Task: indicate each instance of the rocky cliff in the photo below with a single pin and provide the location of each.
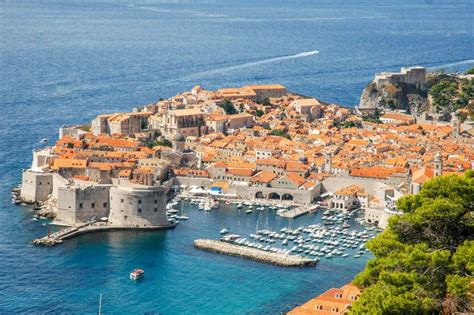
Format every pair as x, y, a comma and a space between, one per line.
440, 97
399, 96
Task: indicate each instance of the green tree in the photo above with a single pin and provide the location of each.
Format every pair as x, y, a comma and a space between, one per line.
424, 260
265, 101
470, 71
165, 143
228, 107
259, 113
280, 133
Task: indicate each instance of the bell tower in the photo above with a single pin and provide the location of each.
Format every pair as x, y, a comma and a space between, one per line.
327, 162
438, 165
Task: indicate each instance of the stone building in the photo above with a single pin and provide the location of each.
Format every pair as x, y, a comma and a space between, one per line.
36, 186
188, 122
309, 108
123, 123
81, 202
263, 91
137, 205
413, 75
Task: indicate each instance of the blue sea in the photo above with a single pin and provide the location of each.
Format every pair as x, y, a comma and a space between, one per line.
63, 62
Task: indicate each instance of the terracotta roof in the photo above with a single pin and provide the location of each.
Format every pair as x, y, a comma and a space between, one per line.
273, 162
240, 171
68, 163
350, 190
264, 176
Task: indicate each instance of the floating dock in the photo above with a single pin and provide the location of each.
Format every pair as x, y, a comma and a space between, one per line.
278, 259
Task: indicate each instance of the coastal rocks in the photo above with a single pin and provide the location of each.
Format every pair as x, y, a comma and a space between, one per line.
398, 96
277, 259
46, 242
47, 208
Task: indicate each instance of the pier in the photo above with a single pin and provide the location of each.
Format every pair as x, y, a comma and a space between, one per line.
277, 259
91, 227
293, 213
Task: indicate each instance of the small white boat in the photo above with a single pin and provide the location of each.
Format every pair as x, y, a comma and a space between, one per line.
224, 231
249, 211
44, 140
137, 274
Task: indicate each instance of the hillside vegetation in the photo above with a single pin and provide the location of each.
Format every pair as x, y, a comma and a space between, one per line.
424, 260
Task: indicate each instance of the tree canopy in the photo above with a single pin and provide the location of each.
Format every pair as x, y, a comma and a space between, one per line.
424, 260
449, 91
280, 133
228, 107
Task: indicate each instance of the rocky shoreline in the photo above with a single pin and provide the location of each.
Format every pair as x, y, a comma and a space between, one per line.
276, 259
42, 209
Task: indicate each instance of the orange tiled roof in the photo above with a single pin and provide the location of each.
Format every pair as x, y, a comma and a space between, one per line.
68, 163
263, 177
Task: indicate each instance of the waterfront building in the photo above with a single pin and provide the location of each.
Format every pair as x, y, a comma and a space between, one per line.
367, 165
334, 301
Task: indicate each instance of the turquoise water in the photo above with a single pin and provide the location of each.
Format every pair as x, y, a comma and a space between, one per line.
65, 62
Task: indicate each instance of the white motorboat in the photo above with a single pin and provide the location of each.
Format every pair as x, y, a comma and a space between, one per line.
137, 274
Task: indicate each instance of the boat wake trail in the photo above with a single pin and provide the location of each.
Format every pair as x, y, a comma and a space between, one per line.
186, 12
252, 64
453, 64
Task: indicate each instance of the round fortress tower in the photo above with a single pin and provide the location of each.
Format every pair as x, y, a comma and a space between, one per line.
138, 206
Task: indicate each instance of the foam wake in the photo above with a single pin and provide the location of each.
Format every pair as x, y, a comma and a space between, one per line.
253, 63
453, 64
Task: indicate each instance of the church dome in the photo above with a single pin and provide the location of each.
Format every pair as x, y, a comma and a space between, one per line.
303, 159
178, 137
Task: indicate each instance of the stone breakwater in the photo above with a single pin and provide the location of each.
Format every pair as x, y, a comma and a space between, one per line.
277, 259
92, 227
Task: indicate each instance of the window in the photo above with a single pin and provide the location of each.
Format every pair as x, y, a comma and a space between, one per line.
156, 201
121, 200
319, 307
139, 210
80, 205
338, 295
335, 309
156, 209
139, 202
105, 204
92, 205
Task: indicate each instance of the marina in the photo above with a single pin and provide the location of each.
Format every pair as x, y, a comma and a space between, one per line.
334, 234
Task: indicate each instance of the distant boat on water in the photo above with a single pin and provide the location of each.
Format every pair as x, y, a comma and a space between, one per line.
137, 274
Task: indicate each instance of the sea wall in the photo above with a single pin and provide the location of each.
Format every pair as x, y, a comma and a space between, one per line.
79, 204
36, 186
138, 205
277, 259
